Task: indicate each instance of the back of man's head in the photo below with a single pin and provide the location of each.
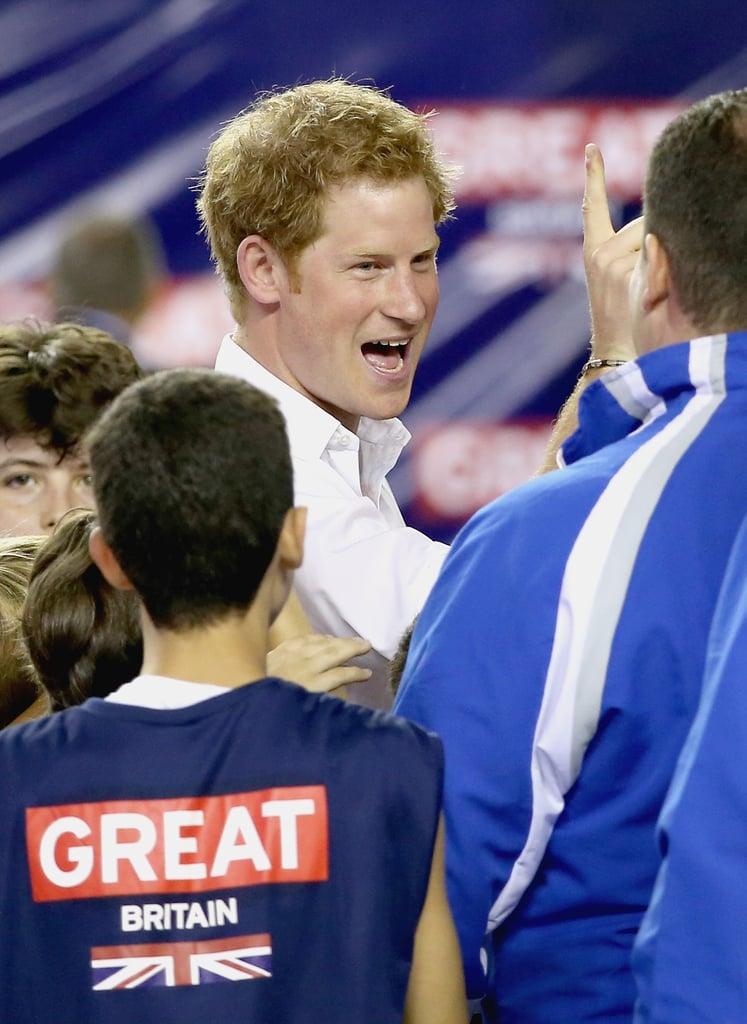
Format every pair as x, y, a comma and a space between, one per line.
107, 263
271, 168
695, 202
192, 479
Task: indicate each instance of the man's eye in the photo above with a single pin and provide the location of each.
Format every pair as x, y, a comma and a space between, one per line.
19, 481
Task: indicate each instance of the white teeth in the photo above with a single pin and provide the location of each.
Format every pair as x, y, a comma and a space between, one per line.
392, 344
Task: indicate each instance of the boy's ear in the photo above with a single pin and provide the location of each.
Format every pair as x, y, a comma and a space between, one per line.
658, 280
104, 558
291, 540
260, 268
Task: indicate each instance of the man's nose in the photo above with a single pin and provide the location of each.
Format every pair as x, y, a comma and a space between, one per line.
404, 300
58, 499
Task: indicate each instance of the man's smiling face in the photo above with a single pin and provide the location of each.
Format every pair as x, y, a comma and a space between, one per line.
355, 316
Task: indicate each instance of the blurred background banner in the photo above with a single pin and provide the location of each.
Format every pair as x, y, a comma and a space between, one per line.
108, 109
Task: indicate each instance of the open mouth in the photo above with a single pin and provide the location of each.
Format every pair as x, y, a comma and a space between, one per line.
385, 356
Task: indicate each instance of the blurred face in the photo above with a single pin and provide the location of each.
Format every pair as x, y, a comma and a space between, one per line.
36, 489
355, 316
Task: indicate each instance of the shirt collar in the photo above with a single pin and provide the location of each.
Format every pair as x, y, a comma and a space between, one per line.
163, 692
311, 430
643, 389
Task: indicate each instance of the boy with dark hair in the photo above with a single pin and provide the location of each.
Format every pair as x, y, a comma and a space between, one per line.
55, 379
222, 865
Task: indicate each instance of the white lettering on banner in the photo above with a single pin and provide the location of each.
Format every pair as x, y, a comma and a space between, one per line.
287, 813
135, 851
178, 845
163, 917
81, 857
239, 841
533, 149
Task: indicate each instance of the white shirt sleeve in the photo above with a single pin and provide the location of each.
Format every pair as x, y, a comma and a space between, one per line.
364, 572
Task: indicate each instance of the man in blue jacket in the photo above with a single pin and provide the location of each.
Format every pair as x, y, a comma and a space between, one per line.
561, 652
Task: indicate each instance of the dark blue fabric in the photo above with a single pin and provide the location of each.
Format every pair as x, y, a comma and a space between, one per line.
341, 949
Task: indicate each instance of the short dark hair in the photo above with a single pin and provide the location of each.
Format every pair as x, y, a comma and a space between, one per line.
695, 202
399, 660
82, 634
107, 263
192, 479
55, 379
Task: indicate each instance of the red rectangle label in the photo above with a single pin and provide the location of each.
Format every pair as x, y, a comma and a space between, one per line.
188, 844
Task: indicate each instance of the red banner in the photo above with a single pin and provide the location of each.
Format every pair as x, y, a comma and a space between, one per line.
127, 847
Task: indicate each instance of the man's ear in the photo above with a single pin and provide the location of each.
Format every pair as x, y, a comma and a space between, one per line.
658, 282
291, 540
261, 269
104, 558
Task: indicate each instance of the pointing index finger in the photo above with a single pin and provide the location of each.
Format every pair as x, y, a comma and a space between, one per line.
595, 207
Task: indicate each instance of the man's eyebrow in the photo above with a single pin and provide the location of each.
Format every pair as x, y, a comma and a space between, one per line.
431, 248
370, 254
31, 461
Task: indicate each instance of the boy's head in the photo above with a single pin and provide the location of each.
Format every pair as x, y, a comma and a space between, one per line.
55, 379
271, 169
193, 484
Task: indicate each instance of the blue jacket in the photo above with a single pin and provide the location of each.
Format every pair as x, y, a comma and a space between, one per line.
560, 657
261, 856
689, 959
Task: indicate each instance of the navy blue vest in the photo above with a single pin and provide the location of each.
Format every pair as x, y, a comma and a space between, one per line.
260, 856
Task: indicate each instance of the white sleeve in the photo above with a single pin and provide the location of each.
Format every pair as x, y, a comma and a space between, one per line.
364, 572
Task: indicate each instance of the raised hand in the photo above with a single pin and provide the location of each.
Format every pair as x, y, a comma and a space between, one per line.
609, 259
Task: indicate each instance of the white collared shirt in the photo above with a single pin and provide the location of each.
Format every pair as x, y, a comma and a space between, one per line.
364, 572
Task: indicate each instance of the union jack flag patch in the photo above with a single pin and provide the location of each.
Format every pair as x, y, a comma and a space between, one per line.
241, 958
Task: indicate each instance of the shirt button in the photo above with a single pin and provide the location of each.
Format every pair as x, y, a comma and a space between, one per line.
345, 440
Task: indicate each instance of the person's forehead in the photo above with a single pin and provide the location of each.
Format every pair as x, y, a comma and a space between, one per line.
362, 206
26, 449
